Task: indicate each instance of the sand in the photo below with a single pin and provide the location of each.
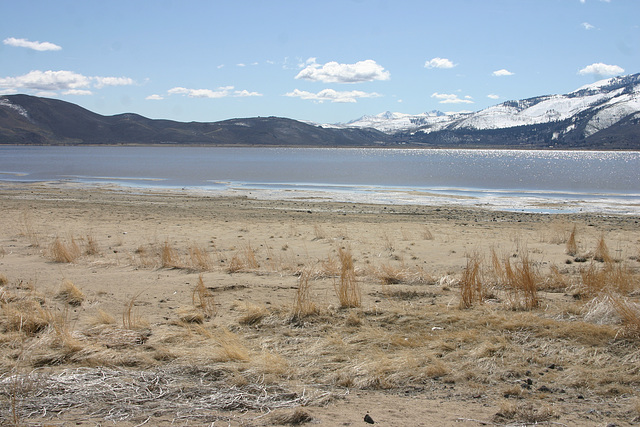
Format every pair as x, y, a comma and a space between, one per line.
144, 347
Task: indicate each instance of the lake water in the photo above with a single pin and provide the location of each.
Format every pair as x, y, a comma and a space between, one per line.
534, 181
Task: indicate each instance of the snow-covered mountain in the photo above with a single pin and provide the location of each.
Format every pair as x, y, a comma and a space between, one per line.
572, 117
389, 122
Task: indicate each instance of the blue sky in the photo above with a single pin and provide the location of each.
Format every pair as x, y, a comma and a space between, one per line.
325, 61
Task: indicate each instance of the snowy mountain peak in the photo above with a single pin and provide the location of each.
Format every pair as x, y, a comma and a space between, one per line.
598, 106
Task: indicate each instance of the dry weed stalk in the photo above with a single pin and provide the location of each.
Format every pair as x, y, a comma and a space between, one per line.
231, 349
630, 315
572, 246
203, 299
200, 259
471, 289
91, 245
64, 252
130, 318
602, 251
169, 257
348, 290
522, 281
251, 261
612, 277
29, 231
70, 293
254, 314
303, 305
426, 233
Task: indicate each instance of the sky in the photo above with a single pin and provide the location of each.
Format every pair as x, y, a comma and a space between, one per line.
329, 61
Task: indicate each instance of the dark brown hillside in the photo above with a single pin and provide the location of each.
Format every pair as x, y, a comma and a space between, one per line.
32, 120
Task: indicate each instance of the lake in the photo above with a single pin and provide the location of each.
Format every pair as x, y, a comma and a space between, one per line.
523, 180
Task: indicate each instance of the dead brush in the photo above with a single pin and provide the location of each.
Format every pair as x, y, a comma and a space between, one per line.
612, 277
64, 251
200, 259
203, 299
231, 347
131, 319
602, 251
630, 314
28, 230
91, 245
169, 257
70, 293
303, 306
522, 282
572, 246
348, 288
471, 289
253, 314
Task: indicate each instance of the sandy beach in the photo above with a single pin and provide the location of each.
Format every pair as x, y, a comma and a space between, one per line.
168, 308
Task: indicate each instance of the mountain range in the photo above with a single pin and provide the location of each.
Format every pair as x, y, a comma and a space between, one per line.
602, 115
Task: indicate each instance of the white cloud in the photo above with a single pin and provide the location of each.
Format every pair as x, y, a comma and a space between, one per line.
112, 81
332, 95
241, 65
155, 97
450, 98
40, 46
502, 72
601, 69
333, 72
439, 63
47, 80
244, 92
221, 92
587, 26
493, 96
67, 81
81, 92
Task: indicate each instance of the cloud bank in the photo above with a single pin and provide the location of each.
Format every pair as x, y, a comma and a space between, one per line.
450, 98
67, 81
333, 72
439, 63
221, 92
40, 46
601, 69
502, 73
332, 95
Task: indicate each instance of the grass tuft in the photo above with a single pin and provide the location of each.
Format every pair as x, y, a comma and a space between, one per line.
572, 246
303, 305
348, 289
64, 251
203, 299
70, 293
471, 289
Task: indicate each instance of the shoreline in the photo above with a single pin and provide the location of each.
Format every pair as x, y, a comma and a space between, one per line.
406, 353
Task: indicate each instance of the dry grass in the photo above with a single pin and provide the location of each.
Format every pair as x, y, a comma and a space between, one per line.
303, 305
29, 231
131, 319
91, 245
169, 257
70, 293
203, 299
253, 314
200, 259
64, 251
602, 251
471, 286
348, 288
572, 246
609, 277
522, 281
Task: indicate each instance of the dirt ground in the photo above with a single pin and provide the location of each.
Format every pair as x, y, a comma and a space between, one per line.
122, 307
